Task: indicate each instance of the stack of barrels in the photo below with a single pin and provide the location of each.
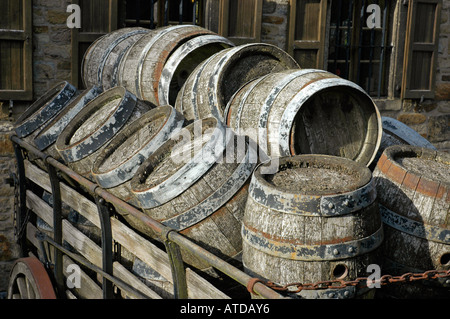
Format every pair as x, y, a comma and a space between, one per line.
242, 151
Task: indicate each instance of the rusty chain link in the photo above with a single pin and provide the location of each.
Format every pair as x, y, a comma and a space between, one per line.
361, 282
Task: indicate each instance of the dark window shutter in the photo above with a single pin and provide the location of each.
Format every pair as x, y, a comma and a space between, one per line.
16, 78
307, 32
240, 20
421, 49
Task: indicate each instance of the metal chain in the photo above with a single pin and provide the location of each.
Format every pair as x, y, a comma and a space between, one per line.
361, 282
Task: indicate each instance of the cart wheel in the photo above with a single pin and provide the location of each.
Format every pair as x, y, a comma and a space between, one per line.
29, 280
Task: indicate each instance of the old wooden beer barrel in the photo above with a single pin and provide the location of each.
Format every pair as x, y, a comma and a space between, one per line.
307, 112
102, 59
184, 60
118, 162
196, 184
398, 133
315, 219
95, 125
46, 138
212, 84
141, 69
44, 108
413, 185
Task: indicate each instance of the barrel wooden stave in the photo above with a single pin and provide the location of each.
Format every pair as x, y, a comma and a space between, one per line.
102, 58
282, 236
141, 68
299, 111
79, 149
210, 210
116, 165
415, 205
212, 84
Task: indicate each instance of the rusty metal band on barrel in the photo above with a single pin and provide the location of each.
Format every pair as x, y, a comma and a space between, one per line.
189, 173
127, 169
221, 196
175, 59
93, 142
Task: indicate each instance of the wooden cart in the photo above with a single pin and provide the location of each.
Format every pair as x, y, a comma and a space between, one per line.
62, 259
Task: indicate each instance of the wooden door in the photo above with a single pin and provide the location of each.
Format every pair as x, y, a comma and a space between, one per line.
16, 78
240, 20
307, 27
421, 49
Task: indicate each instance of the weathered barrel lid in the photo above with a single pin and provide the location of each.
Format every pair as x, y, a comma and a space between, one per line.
175, 59
51, 131
44, 108
337, 199
183, 171
167, 122
72, 151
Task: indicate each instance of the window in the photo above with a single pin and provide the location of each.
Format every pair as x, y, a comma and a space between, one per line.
421, 49
334, 35
357, 50
16, 80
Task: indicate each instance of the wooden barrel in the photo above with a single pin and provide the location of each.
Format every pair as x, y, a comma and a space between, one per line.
46, 138
119, 160
141, 68
413, 185
196, 184
315, 219
95, 125
212, 84
44, 109
398, 133
307, 112
102, 59
184, 60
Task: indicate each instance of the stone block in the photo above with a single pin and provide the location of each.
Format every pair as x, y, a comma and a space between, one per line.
438, 128
412, 118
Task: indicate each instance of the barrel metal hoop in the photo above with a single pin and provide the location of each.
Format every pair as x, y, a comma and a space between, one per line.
92, 143
174, 60
127, 169
273, 94
312, 205
213, 84
295, 251
144, 53
350, 202
216, 200
53, 107
405, 133
111, 47
194, 91
44, 140
297, 102
414, 228
189, 173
